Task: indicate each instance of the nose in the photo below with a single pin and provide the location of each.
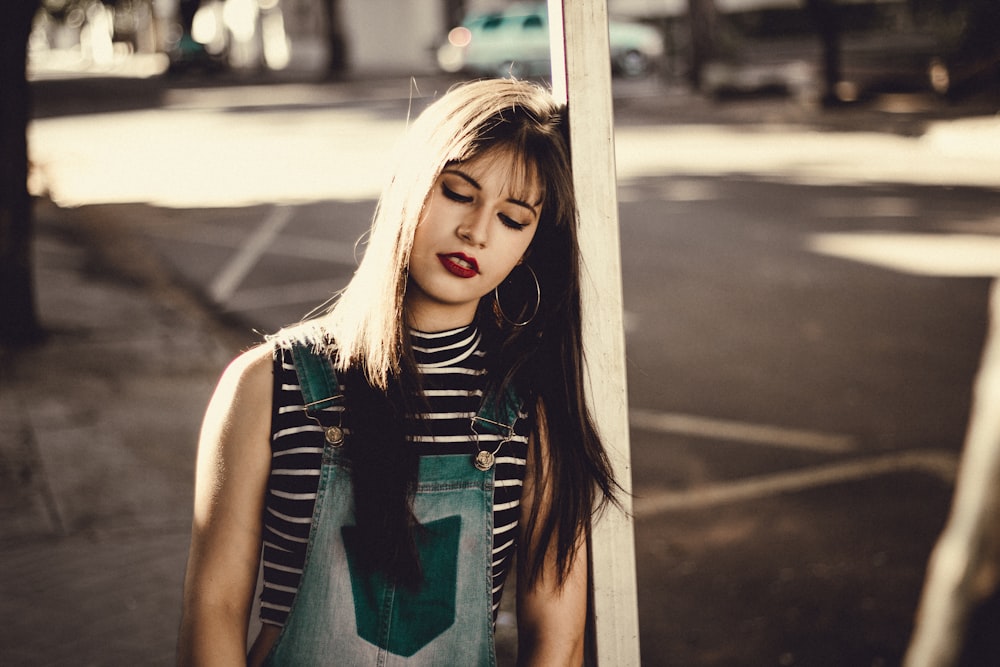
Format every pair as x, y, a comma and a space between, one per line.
475, 227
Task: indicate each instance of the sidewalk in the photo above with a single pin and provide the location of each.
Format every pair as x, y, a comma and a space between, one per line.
98, 429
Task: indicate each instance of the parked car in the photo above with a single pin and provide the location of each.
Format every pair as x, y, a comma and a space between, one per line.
515, 42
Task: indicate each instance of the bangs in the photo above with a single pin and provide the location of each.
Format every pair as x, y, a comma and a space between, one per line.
520, 166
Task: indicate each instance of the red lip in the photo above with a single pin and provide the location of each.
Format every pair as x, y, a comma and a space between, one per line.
459, 264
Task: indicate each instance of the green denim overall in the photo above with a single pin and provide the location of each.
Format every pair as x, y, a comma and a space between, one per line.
340, 615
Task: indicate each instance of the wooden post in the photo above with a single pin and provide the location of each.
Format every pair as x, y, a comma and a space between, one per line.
965, 566
581, 75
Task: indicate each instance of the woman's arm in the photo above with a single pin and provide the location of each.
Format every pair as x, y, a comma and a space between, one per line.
230, 482
551, 619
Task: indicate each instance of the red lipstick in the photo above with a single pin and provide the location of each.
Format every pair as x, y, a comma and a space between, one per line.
459, 264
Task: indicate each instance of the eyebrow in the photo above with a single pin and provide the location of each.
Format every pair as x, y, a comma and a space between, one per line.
474, 183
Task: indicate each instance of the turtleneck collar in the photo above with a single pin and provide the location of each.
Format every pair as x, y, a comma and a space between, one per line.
444, 348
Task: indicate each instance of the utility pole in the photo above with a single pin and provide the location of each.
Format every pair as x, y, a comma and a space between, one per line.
581, 76
964, 567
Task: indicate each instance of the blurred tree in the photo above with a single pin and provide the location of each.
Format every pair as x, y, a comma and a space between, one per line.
336, 40
704, 21
19, 318
824, 15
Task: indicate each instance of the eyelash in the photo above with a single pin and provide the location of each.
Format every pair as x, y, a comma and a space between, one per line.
512, 223
454, 196
462, 199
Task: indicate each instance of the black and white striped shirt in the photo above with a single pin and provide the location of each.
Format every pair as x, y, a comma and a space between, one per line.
452, 368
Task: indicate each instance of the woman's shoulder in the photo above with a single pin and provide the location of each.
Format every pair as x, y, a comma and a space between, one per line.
255, 369
240, 406
250, 372
255, 366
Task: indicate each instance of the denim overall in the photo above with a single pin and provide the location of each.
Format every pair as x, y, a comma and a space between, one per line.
340, 615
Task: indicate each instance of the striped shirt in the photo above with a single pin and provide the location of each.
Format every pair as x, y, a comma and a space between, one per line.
453, 374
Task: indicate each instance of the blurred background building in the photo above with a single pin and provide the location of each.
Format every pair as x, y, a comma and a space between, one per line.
840, 50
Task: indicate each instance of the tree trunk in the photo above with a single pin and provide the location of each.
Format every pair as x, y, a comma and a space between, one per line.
704, 20
824, 16
337, 62
18, 319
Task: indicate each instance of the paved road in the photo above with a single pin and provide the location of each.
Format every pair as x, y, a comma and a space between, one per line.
805, 312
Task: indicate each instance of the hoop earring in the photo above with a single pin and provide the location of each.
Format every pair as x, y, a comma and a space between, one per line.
538, 300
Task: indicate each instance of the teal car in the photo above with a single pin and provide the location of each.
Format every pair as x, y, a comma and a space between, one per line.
515, 42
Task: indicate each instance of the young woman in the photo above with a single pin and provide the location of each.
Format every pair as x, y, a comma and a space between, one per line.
391, 456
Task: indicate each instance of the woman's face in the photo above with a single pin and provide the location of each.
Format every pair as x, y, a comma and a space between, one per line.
476, 226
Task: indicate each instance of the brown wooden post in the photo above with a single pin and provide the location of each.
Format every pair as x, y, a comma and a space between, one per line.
965, 566
581, 75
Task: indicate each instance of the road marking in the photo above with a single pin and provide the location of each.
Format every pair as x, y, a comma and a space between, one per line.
261, 298
758, 434
942, 465
335, 252
233, 273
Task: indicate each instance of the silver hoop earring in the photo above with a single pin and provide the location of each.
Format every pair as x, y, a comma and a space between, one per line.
538, 300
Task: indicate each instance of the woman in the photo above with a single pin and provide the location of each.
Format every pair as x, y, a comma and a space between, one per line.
404, 445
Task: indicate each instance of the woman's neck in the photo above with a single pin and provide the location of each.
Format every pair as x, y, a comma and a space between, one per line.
425, 315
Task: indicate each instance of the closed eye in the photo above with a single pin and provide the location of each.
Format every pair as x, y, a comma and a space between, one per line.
454, 196
511, 222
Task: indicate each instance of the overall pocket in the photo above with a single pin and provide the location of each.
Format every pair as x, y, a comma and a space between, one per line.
398, 619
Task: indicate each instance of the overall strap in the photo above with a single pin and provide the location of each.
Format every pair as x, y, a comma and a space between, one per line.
318, 379
505, 412
320, 388
498, 417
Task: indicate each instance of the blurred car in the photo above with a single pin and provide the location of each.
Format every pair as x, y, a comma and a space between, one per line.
882, 48
515, 42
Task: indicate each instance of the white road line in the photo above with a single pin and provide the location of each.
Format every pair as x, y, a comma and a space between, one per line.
758, 434
939, 464
261, 298
233, 273
336, 252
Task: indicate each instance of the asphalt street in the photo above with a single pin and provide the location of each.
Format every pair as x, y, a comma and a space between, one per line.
805, 302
